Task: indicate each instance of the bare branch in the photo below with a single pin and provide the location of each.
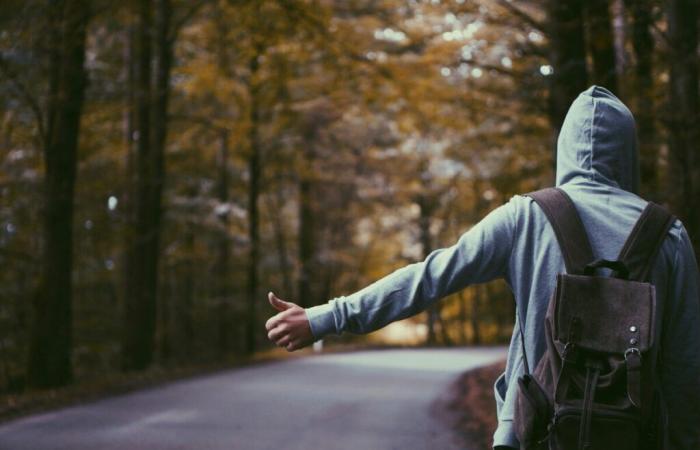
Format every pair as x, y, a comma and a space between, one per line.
204, 121
522, 15
182, 21
25, 95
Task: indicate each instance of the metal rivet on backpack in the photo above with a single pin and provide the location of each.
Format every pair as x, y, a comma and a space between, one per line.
633, 329
633, 341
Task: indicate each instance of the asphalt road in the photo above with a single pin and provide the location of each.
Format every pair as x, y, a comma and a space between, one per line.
366, 400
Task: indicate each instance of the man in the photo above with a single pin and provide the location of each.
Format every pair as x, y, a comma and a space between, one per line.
597, 166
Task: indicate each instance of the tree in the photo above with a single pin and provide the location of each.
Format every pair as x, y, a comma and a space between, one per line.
222, 264
254, 174
143, 240
567, 54
51, 341
139, 300
643, 46
601, 43
684, 111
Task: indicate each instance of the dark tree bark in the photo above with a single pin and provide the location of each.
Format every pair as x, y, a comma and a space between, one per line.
476, 301
144, 236
159, 129
684, 111
643, 45
306, 233
462, 317
619, 22
131, 67
49, 362
139, 304
224, 250
426, 246
254, 173
129, 110
601, 43
187, 285
164, 333
425, 206
138, 330
275, 204
163, 65
567, 53
314, 281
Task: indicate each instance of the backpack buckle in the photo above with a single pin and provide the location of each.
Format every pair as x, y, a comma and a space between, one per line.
633, 361
633, 350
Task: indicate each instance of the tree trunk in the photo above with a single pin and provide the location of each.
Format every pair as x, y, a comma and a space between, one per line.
444, 331
254, 173
139, 308
643, 45
49, 363
164, 334
129, 112
159, 127
601, 43
684, 111
275, 204
159, 124
223, 276
144, 237
619, 25
306, 235
433, 311
462, 318
476, 300
188, 287
567, 55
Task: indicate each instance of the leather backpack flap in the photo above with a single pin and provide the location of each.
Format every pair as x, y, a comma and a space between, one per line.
608, 315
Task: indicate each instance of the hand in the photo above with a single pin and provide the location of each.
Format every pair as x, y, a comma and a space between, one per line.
289, 328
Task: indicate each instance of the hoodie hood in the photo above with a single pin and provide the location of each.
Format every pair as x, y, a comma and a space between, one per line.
598, 142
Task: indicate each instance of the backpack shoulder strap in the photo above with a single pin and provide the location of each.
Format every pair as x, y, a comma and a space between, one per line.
644, 242
571, 236
568, 228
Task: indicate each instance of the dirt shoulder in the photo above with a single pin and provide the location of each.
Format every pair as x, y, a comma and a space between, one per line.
472, 407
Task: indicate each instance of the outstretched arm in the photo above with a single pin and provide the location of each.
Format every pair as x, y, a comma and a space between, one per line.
480, 255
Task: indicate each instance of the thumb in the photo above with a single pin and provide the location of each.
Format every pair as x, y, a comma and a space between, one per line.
277, 303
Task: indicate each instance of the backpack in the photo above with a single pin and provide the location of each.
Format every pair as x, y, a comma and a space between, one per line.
594, 387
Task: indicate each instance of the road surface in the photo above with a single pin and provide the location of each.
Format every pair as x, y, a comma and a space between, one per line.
367, 400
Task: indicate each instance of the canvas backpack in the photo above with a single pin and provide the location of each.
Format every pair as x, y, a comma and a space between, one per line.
594, 387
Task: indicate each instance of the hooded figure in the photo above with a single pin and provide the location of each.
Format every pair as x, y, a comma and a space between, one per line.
597, 166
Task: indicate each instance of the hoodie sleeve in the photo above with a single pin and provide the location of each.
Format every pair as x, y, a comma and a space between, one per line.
680, 355
480, 255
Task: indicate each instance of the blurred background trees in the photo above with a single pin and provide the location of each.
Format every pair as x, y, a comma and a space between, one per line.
165, 163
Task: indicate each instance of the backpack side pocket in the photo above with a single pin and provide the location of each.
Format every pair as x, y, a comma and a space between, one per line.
533, 413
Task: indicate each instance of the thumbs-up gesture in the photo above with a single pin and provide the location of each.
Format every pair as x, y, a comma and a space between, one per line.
289, 328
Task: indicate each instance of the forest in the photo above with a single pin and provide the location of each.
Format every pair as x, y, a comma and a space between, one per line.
166, 163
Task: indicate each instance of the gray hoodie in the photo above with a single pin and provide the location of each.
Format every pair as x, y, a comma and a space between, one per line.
597, 166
